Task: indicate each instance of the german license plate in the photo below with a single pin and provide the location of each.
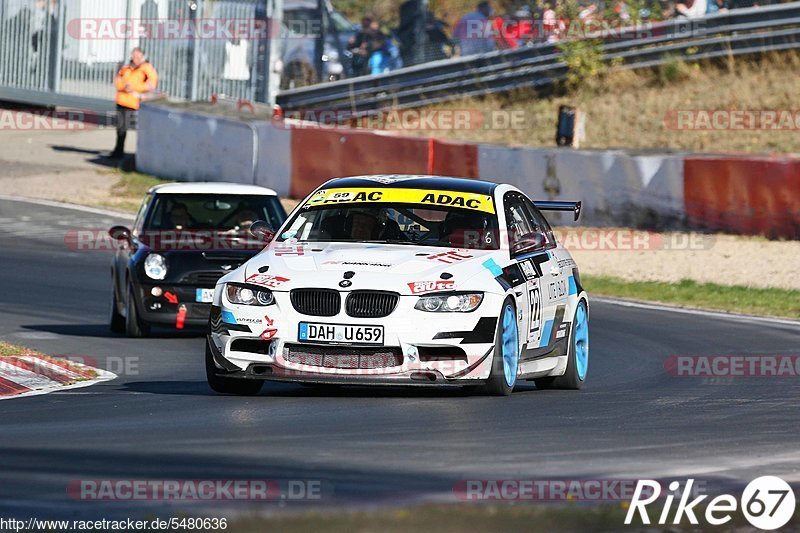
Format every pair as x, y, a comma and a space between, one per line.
340, 333
205, 296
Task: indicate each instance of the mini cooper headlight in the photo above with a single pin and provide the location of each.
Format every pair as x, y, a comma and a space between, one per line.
155, 266
239, 294
450, 303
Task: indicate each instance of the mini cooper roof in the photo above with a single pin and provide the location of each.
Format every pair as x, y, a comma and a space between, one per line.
212, 188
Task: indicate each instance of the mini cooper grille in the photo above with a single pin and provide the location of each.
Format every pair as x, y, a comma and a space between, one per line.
316, 302
371, 304
343, 356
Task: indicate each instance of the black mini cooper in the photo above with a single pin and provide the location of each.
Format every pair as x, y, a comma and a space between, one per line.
185, 237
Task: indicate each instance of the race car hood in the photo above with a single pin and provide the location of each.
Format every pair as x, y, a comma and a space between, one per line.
404, 269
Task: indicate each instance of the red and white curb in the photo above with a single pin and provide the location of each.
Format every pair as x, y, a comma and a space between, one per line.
28, 375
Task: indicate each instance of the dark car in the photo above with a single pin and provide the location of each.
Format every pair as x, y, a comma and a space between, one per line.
185, 237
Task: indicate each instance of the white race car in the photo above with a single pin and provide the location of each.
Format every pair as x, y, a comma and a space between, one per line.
404, 280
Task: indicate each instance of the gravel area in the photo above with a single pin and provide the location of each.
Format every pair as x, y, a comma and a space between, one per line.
722, 259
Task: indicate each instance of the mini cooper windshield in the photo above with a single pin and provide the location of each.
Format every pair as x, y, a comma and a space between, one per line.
429, 218
204, 212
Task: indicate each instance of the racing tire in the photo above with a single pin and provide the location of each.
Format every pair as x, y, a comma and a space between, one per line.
116, 322
577, 357
221, 384
135, 327
505, 360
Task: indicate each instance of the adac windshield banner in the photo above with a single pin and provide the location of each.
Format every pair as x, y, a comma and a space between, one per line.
464, 200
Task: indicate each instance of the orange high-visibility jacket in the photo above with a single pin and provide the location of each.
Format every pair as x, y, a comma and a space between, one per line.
141, 79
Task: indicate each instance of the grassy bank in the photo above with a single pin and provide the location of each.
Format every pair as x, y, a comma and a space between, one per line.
8, 350
129, 189
13, 350
629, 109
687, 293
476, 518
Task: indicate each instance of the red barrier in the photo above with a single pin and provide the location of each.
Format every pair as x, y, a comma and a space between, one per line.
320, 154
448, 158
757, 196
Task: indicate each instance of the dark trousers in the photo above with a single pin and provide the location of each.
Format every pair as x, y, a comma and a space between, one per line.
126, 119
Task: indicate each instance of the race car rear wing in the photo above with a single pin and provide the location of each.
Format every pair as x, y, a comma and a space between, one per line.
574, 207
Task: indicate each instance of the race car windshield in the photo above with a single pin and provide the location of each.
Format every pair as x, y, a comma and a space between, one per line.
211, 212
413, 224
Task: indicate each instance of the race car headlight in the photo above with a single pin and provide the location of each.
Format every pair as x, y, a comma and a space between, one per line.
450, 303
239, 294
155, 266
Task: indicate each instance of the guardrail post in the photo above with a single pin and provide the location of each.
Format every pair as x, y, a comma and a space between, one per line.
54, 82
194, 57
267, 81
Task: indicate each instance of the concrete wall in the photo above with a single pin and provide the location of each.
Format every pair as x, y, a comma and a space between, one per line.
194, 147
617, 188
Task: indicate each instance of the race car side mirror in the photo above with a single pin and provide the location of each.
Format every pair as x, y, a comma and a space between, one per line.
262, 230
120, 233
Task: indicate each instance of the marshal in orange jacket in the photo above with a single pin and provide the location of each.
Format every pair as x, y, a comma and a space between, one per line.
139, 80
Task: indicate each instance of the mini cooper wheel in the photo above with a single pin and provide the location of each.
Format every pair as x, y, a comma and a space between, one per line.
505, 360
243, 387
135, 327
116, 322
577, 357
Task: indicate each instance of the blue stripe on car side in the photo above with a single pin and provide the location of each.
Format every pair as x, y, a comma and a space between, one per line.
548, 328
573, 289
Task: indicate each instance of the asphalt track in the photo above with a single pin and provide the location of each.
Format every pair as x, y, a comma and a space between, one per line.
159, 420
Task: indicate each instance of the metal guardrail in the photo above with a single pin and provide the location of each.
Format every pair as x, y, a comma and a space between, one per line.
739, 32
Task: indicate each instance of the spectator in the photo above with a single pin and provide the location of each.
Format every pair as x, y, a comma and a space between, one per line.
360, 46
621, 10
718, 6
438, 41
385, 56
474, 31
552, 27
133, 82
588, 13
503, 31
511, 33
691, 8
524, 25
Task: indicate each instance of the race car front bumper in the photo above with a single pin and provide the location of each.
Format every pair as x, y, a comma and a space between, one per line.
419, 348
276, 372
